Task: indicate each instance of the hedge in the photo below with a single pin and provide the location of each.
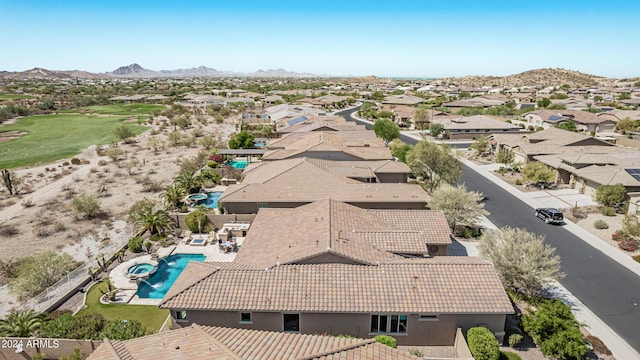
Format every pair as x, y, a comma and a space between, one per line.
483, 344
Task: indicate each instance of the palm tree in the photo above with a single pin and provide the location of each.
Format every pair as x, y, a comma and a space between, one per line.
22, 324
189, 181
173, 195
155, 221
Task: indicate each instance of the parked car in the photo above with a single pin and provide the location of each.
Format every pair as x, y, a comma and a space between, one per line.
550, 215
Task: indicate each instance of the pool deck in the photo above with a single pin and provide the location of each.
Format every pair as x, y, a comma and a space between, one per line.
127, 288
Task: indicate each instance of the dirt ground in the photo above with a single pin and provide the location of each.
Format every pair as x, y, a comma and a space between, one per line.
41, 217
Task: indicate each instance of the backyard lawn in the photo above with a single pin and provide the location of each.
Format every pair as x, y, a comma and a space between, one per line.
54, 137
149, 315
117, 109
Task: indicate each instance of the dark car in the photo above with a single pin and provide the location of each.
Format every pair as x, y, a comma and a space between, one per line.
550, 215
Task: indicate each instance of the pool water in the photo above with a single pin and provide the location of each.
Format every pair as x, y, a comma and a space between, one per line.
168, 271
140, 269
197, 241
238, 164
212, 199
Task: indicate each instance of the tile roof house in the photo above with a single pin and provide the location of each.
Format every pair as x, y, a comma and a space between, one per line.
468, 127
219, 343
421, 302
295, 182
549, 141
403, 100
340, 233
585, 121
329, 145
321, 123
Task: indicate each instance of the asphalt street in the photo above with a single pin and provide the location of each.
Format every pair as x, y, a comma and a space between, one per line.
607, 288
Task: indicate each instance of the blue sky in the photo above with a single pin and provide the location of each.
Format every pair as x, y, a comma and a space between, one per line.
384, 38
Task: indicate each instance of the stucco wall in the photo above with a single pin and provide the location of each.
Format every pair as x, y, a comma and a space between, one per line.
439, 332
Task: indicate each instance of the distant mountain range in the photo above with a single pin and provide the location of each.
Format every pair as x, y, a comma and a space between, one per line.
537, 77
137, 71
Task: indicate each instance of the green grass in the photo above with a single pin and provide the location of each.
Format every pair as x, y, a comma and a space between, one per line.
55, 137
149, 315
14, 96
117, 109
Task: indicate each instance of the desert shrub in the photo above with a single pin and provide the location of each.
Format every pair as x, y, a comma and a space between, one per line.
213, 164
468, 232
515, 340
636, 258
518, 181
416, 352
483, 344
196, 221
555, 330
628, 244
387, 340
600, 224
28, 203
102, 163
86, 204
76, 161
35, 273
114, 153
9, 229
123, 329
608, 211
508, 355
135, 244
578, 213
598, 346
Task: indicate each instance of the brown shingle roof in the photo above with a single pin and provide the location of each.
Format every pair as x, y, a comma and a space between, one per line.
447, 285
210, 342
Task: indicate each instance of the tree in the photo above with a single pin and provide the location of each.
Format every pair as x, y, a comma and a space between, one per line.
86, 204
173, 195
131, 165
114, 153
505, 156
36, 273
384, 114
174, 138
11, 181
597, 98
524, 262
481, 146
625, 125
610, 195
208, 142
241, 140
196, 220
399, 149
544, 103
436, 129
189, 181
536, 171
435, 163
22, 324
553, 327
123, 329
421, 118
149, 219
569, 126
386, 130
460, 206
123, 133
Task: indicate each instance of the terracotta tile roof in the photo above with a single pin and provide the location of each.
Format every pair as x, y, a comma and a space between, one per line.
451, 285
333, 227
431, 223
210, 342
308, 183
360, 144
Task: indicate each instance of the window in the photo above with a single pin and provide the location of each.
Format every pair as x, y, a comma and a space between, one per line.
396, 324
181, 315
638, 208
262, 205
245, 317
291, 322
427, 317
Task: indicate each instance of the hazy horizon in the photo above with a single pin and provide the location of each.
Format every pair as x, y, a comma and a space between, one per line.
412, 39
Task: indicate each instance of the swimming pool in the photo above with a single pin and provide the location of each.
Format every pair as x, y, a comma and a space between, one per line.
168, 271
238, 164
212, 199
